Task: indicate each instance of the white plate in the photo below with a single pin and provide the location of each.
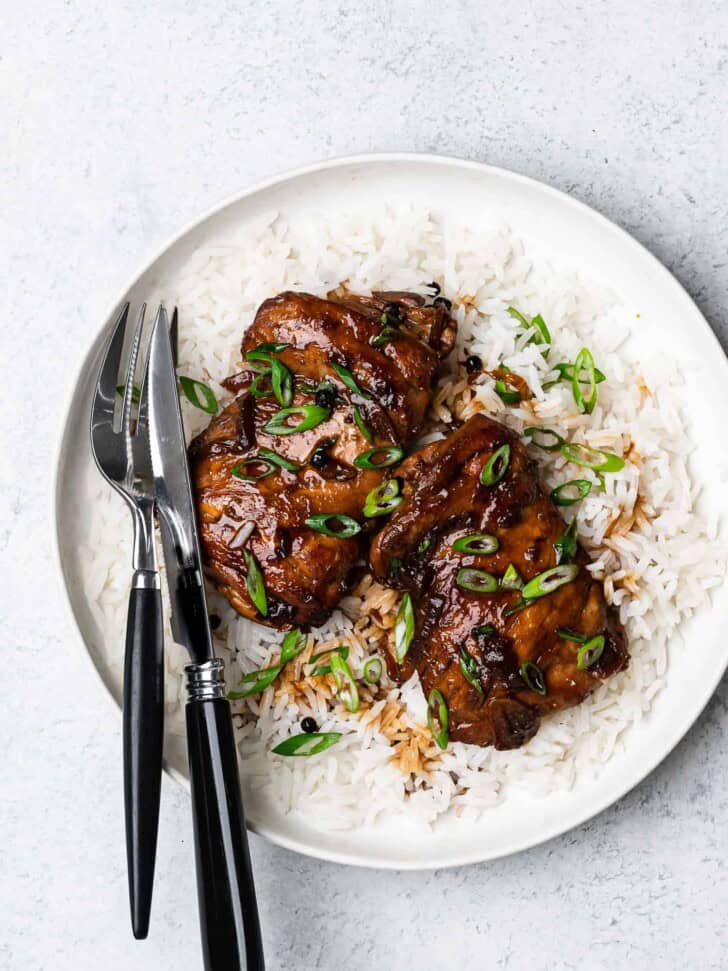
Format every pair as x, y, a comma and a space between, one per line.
578, 237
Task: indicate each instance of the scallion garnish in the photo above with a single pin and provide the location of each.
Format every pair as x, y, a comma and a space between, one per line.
395, 566
199, 395
477, 581
380, 457
293, 643
549, 580
424, 544
385, 336
348, 379
507, 395
511, 579
480, 544
534, 677
584, 363
569, 635
321, 669
311, 416
255, 584
566, 373
255, 682
541, 335
263, 352
334, 524
307, 743
570, 492
589, 653
533, 431
282, 383
438, 720
238, 470
496, 466
260, 386
373, 670
592, 458
470, 670
276, 459
404, 629
136, 392
362, 425
346, 687
485, 629
565, 545
383, 499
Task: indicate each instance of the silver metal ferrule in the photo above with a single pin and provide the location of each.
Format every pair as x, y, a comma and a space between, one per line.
206, 681
145, 580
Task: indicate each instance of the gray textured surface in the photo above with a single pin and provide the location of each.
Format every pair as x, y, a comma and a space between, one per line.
121, 122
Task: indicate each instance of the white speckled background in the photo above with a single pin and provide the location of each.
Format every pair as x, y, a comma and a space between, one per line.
123, 120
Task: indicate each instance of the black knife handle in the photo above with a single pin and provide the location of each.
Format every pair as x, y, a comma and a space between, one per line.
143, 736
228, 910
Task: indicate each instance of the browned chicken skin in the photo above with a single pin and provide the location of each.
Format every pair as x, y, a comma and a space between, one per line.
444, 500
306, 572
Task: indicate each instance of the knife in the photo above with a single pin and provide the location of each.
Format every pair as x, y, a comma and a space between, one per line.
229, 922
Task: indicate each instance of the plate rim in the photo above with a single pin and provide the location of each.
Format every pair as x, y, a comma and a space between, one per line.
369, 860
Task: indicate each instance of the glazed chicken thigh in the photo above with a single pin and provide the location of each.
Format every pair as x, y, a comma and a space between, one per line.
472, 530
331, 392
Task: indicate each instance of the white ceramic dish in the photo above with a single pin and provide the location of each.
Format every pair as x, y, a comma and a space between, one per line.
578, 237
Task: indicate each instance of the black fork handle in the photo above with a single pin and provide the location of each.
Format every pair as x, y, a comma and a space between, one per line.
143, 734
231, 939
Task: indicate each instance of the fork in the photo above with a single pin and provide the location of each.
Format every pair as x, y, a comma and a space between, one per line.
122, 456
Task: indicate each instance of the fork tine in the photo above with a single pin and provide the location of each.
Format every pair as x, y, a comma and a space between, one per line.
126, 407
105, 397
143, 369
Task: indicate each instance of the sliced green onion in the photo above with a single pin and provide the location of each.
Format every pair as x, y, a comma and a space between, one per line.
566, 373
346, 687
276, 459
569, 635
293, 643
383, 499
517, 607
308, 743
470, 670
373, 670
506, 394
348, 379
255, 584
511, 579
564, 495
480, 544
199, 395
395, 565
257, 388
589, 653
346, 527
485, 629
255, 682
535, 430
362, 425
592, 458
542, 335
496, 466
385, 336
404, 629
477, 581
424, 544
263, 352
565, 545
238, 470
368, 460
311, 416
534, 677
322, 669
282, 382
438, 720
584, 362
136, 392
550, 580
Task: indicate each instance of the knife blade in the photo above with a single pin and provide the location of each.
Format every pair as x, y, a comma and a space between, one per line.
173, 495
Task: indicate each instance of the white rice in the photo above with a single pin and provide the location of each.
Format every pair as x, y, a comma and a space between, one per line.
658, 565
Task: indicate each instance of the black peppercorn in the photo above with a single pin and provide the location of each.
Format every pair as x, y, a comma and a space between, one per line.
473, 364
325, 397
319, 458
309, 725
442, 302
